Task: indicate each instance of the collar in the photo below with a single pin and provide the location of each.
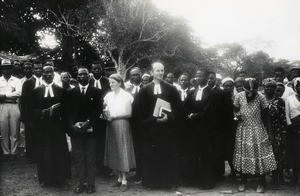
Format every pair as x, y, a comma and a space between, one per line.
49, 85
98, 79
202, 88
85, 87
11, 78
38, 78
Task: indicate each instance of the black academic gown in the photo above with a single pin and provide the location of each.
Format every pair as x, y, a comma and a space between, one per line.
160, 163
100, 126
30, 135
136, 129
52, 151
200, 149
225, 131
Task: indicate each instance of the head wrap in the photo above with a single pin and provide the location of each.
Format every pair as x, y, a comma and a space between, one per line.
240, 79
146, 75
136, 69
296, 81
269, 81
251, 86
227, 79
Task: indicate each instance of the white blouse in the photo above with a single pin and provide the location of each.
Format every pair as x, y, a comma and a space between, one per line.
116, 104
292, 108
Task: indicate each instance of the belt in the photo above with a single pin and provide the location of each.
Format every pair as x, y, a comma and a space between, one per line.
9, 101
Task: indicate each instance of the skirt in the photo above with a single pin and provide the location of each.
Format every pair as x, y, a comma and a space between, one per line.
253, 152
119, 150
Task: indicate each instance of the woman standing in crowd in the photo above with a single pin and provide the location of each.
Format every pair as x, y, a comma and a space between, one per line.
253, 152
119, 151
292, 104
277, 122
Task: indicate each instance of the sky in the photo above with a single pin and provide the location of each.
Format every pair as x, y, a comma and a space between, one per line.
269, 25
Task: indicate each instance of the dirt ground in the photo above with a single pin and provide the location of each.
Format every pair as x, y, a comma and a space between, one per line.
18, 178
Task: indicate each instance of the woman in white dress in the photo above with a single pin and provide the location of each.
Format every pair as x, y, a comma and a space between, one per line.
119, 151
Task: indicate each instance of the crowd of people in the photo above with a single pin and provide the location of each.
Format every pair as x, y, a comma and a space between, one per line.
170, 132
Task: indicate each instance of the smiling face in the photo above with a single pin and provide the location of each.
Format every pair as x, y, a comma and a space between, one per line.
269, 89
158, 71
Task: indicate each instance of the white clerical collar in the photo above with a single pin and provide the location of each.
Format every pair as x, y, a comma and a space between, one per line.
97, 83
157, 89
48, 89
202, 88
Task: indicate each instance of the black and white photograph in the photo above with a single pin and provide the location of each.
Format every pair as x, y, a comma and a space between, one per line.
149, 97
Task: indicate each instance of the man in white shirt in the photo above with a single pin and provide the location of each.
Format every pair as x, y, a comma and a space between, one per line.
279, 75
10, 91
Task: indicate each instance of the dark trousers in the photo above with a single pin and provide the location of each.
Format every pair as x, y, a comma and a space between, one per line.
84, 154
137, 143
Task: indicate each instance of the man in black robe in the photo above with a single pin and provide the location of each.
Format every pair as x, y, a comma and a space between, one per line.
200, 150
52, 150
28, 86
160, 134
100, 82
133, 88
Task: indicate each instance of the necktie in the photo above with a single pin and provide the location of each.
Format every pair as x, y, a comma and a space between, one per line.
82, 90
157, 89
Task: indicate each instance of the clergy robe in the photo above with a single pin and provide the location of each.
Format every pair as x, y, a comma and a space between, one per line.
30, 134
225, 131
136, 129
200, 150
100, 127
159, 139
52, 150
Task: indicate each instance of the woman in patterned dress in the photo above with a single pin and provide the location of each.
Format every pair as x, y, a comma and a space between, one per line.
253, 151
277, 122
119, 151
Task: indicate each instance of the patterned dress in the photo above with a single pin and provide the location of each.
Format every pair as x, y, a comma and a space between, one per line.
253, 152
276, 109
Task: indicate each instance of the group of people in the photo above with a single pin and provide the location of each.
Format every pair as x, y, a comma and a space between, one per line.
171, 133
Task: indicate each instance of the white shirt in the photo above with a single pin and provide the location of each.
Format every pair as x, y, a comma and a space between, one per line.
48, 89
127, 84
288, 91
11, 88
292, 108
200, 92
177, 86
117, 103
84, 88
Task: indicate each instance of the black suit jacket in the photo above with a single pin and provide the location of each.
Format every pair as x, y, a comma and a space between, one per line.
104, 84
79, 108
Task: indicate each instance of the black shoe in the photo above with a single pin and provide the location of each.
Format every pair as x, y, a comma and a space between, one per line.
79, 189
90, 189
124, 188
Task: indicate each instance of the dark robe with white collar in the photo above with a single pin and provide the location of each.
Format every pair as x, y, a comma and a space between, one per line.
160, 140
52, 150
200, 146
